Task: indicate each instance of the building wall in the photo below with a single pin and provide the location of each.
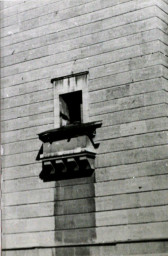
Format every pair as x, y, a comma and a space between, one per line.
123, 210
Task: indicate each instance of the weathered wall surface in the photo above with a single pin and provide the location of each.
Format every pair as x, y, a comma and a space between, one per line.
123, 45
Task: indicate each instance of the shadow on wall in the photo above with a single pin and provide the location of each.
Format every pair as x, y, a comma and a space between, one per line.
74, 212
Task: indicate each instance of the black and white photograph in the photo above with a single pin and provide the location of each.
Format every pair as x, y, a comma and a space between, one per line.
84, 128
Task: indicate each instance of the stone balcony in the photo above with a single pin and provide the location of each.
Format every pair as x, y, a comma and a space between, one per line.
68, 152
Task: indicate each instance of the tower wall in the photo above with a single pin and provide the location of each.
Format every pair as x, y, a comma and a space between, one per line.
123, 209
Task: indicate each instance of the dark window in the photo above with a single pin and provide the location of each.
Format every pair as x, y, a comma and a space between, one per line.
70, 108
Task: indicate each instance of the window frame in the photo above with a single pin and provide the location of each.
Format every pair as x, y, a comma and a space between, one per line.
69, 84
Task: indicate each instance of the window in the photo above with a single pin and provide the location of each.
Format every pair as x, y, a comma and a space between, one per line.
71, 99
70, 108
69, 149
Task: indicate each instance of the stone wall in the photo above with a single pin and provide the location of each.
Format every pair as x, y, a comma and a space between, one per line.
123, 210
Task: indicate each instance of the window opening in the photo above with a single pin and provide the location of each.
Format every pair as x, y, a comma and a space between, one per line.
70, 108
